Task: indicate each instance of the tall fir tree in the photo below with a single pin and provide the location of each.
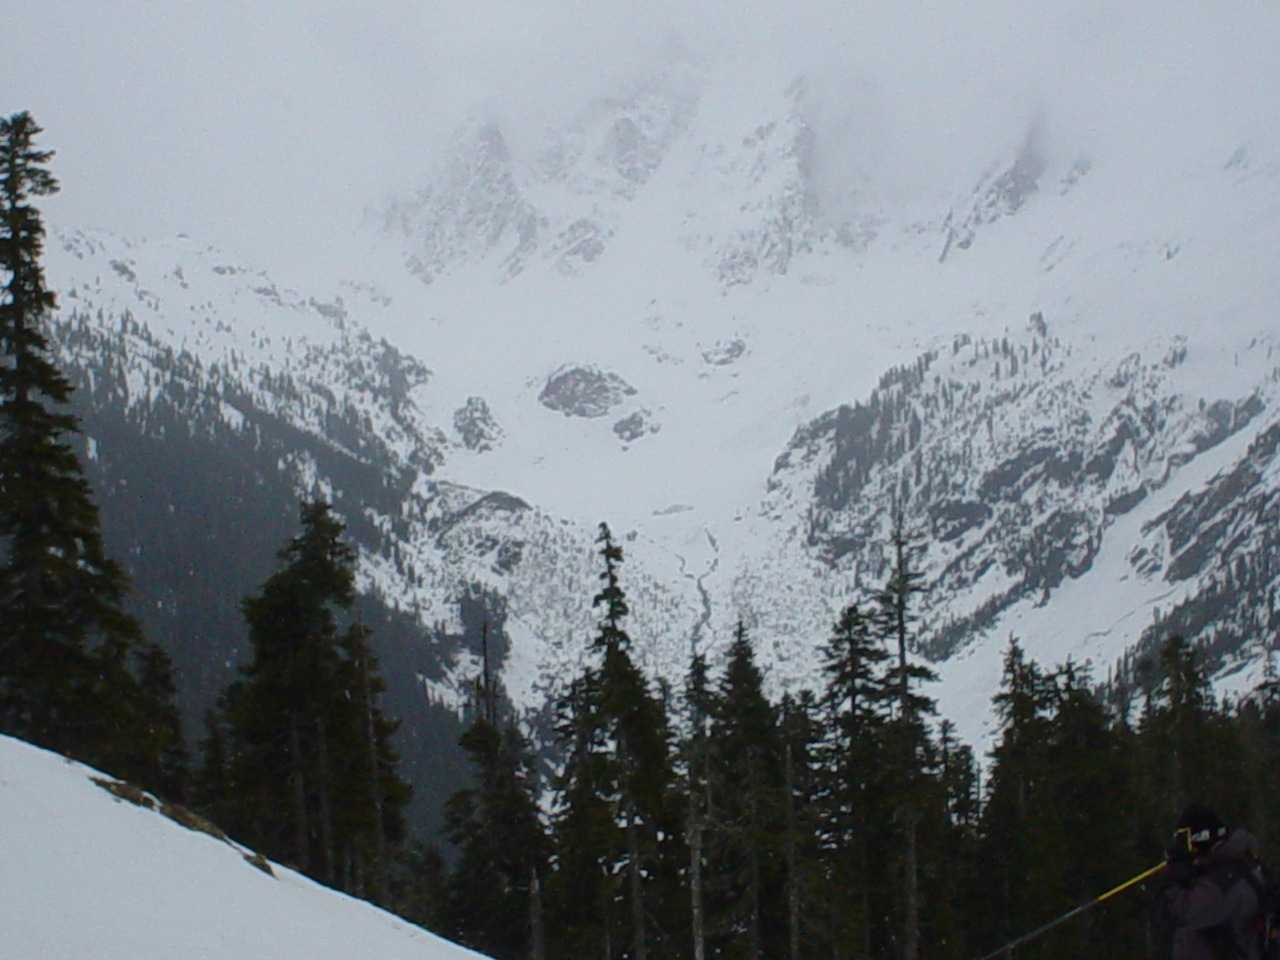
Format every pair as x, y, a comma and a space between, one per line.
894, 617
618, 835
955, 859
910, 789
855, 710
583, 887
695, 753
748, 781
76, 675
1091, 787
371, 793
308, 772
1012, 895
1191, 750
801, 737
503, 849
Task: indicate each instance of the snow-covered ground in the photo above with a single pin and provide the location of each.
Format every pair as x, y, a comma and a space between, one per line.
84, 874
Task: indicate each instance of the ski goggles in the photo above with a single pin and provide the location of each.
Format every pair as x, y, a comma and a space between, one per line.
1192, 838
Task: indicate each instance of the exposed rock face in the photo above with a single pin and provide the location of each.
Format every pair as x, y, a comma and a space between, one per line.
474, 207
1004, 193
584, 392
1015, 464
636, 425
561, 207
723, 354
630, 151
476, 426
1223, 540
776, 219
565, 204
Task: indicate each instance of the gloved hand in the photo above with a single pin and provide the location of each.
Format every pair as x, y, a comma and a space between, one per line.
1178, 849
1180, 872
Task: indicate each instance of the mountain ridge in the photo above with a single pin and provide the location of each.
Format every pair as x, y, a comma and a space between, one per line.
1024, 366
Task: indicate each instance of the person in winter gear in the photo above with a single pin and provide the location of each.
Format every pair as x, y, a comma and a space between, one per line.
1211, 894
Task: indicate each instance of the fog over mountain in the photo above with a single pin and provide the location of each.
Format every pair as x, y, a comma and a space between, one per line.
739, 279
267, 128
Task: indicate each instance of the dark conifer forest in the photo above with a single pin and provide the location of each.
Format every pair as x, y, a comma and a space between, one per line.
717, 821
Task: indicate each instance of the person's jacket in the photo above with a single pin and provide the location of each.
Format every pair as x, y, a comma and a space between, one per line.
1213, 905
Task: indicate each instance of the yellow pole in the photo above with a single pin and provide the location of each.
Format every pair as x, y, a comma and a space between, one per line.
1129, 883
1076, 912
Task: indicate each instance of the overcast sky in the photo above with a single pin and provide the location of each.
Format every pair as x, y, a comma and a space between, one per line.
262, 125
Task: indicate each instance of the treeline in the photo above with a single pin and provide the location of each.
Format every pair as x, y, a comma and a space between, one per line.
843, 822
297, 760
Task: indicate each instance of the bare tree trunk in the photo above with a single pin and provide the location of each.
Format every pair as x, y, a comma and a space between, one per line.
793, 863
537, 943
375, 787
300, 826
606, 921
326, 802
911, 938
864, 894
695, 877
637, 890
753, 930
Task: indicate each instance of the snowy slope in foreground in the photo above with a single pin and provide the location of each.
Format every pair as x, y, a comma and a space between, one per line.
83, 874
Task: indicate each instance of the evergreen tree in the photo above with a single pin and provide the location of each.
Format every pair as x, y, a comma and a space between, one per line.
696, 758
583, 888
894, 617
801, 735
308, 775
618, 830
165, 752
502, 846
956, 855
748, 780
1191, 750
855, 712
1021, 880
70, 654
1062, 820
1093, 834
372, 796
1259, 720
910, 789
420, 887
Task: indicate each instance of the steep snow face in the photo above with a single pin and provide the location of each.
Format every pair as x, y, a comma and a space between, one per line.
89, 873
741, 279
174, 337
676, 313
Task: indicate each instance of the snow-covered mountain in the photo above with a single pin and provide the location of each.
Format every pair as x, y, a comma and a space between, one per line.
705, 313
94, 867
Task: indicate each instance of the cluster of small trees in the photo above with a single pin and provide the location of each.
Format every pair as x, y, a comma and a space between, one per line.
845, 822
297, 761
